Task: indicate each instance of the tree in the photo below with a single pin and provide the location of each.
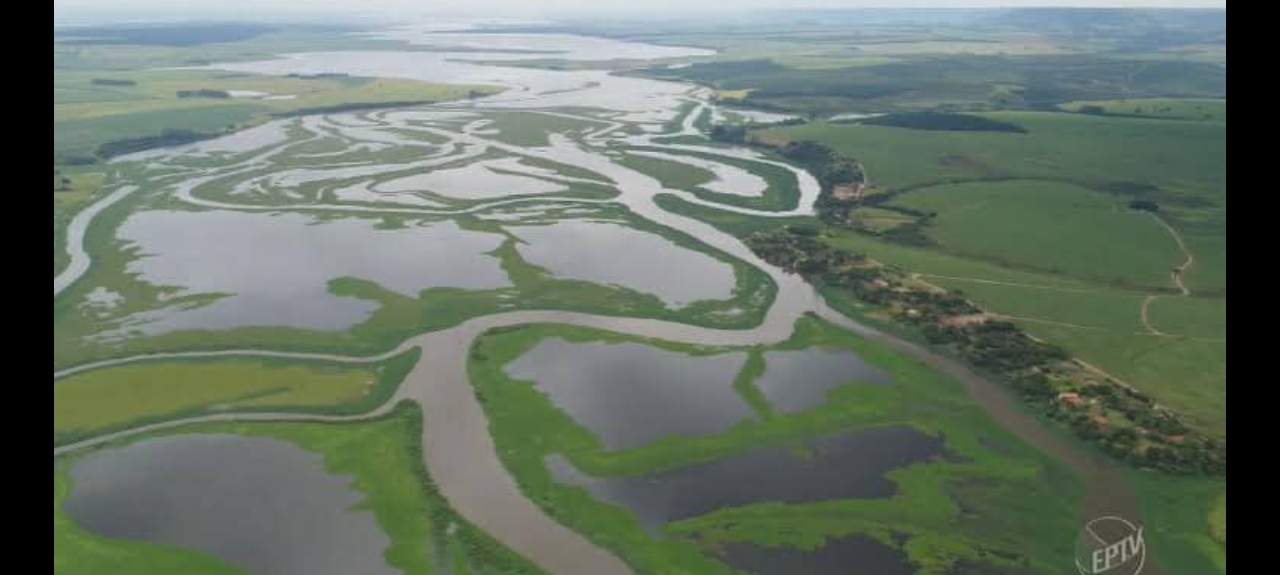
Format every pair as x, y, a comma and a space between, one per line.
731, 134
1144, 205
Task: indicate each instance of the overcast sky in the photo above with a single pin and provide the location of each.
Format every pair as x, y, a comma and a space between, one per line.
67, 10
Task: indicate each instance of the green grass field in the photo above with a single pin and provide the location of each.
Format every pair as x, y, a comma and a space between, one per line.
1098, 309
1218, 520
782, 191
69, 197
1169, 108
158, 89
927, 261
733, 223
1179, 164
1098, 322
382, 456
818, 69
114, 397
1185, 159
1180, 515
1054, 227
1186, 371
1032, 226
531, 129
74, 193
1037, 226
1195, 317
81, 138
673, 175
1010, 482
1188, 375
880, 220
1209, 274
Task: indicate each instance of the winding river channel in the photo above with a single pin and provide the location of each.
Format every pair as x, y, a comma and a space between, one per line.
457, 447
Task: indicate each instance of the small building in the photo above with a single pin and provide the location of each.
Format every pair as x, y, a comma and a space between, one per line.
1071, 398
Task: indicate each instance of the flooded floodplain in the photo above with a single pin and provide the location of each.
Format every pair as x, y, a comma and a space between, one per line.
612, 254
630, 394
843, 466
239, 265
274, 269
852, 555
260, 504
800, 379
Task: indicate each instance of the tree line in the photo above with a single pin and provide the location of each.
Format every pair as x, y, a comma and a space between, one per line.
1121, 421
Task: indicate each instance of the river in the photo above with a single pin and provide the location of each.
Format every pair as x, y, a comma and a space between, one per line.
458, 448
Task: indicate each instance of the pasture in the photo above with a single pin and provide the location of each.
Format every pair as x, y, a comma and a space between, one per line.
1100, 323
1048, 226
1185, 159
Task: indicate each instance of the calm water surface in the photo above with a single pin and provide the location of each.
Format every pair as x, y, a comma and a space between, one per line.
630, 394
799, 380
260, 504
845, 466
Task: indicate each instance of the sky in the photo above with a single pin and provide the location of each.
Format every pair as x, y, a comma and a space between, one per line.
91, 10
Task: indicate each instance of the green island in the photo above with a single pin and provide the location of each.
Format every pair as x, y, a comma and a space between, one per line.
925, 518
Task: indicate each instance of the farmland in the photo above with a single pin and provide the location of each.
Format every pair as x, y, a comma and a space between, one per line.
1035, 224
1050, 208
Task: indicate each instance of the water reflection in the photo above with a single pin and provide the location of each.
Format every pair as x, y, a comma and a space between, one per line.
608, 253
630, 394
260, 504
274, 269
844, 466
800, 379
